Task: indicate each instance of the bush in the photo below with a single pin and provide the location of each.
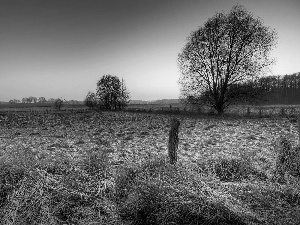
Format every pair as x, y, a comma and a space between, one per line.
10, 176
288, 160
58, 103
230, 169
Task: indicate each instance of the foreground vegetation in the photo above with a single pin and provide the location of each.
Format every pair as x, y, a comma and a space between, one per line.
111, 168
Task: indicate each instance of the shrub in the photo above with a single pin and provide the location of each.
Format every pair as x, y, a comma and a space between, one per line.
230, 169
288, 160
10, 176
58, 103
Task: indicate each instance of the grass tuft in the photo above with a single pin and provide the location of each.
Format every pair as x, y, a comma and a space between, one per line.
231, 169
159, 193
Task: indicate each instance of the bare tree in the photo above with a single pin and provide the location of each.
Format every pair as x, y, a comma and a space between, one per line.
229, 49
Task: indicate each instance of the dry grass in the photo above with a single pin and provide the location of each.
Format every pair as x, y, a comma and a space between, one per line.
87, 191
55, 191
160, 193
39, 188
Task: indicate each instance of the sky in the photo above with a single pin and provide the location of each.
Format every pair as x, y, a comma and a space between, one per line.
61, 48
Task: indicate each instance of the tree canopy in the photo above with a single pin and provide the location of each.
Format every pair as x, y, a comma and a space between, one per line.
112, 93
90, 100
229, 49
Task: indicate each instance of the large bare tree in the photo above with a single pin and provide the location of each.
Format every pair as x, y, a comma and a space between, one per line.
229, 49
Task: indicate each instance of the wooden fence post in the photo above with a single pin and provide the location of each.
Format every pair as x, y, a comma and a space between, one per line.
282, 112
260, 112
248, 111
173, 140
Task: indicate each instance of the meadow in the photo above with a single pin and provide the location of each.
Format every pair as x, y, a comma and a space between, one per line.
89, 167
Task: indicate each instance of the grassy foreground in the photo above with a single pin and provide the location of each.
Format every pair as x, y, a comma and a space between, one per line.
71, 182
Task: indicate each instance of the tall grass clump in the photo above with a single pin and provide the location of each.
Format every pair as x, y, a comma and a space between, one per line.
157, 192
55, 189
231, 169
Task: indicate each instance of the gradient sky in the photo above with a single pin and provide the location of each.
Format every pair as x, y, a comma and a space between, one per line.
60, 48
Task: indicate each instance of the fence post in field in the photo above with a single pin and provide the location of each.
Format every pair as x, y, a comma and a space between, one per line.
248, 111
282, 112
260, 112
173, 140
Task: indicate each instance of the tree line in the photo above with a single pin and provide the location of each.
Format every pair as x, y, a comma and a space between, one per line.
280, 89
41, 100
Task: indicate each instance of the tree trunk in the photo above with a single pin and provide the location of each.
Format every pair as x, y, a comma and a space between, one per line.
220, 107
173, 140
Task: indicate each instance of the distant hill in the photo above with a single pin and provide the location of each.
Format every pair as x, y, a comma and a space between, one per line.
162, 101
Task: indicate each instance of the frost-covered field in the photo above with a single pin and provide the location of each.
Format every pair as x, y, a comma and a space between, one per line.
82, 153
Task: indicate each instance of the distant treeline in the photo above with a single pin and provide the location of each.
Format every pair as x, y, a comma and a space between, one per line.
161, 102
268, 90
280, 89
41, 100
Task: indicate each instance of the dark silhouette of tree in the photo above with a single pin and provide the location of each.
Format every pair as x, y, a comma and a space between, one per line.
90, 100
229, 49
111, 92
42, 100
281, 89
51, 100
24, 100
248, 92
29, 99
34, 99
14, 101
